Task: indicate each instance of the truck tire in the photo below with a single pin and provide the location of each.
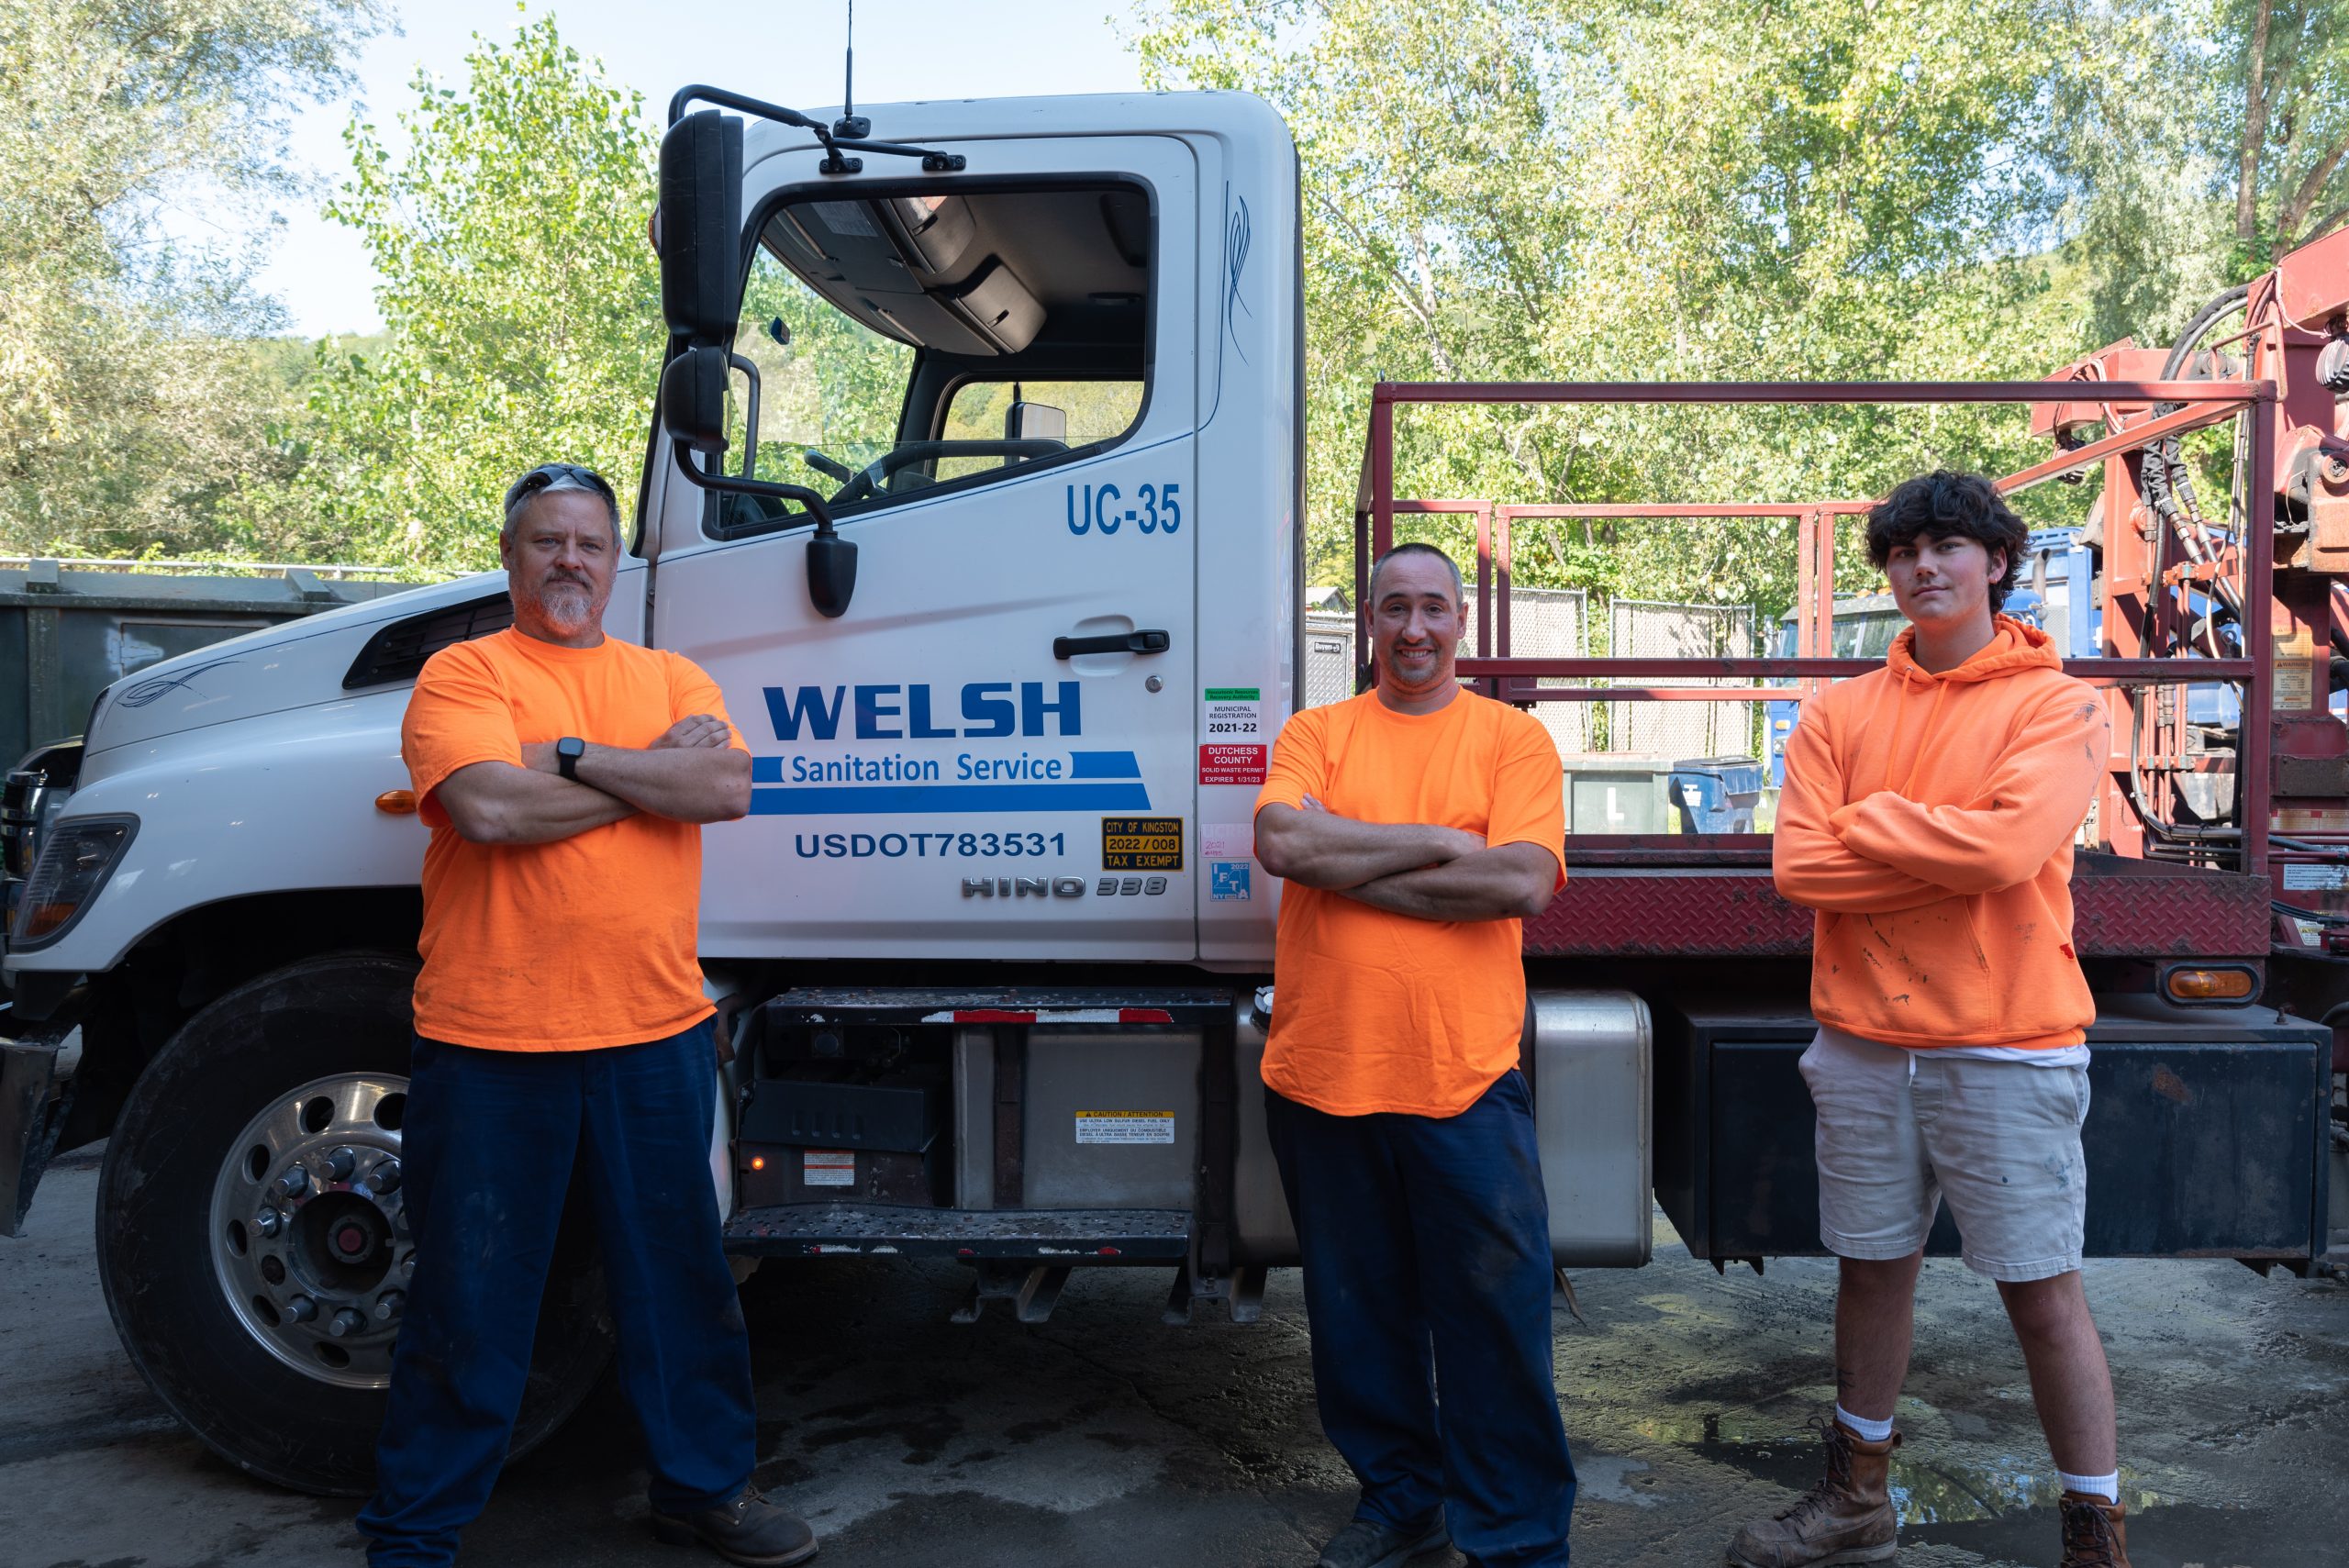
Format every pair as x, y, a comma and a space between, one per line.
252, 1244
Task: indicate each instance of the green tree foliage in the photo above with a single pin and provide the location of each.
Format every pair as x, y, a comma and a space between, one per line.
521, 300
2286, 109
136, 393
1659, 190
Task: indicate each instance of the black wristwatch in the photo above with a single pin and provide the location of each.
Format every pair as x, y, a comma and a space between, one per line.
567, 752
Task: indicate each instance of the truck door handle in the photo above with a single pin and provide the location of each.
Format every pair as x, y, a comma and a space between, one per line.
1115, 642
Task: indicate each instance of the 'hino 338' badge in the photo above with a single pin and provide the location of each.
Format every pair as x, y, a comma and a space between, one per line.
1060, 886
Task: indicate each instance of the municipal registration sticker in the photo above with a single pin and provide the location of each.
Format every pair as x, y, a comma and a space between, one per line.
1125, 1127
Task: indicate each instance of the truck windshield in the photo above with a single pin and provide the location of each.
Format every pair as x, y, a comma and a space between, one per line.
903, 343
834, 386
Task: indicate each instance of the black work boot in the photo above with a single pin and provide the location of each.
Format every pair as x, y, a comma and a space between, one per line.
1366, 1544
750, 1531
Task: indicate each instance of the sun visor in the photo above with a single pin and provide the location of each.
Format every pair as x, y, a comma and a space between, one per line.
850, 252
999, 308
933, 230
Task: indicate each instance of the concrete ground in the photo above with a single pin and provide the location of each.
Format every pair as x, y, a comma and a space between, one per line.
1107, 1438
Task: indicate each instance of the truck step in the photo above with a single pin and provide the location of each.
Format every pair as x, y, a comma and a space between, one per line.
1070, 1235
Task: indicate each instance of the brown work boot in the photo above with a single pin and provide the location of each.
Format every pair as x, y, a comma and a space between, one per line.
2096, 1533
1847, 1518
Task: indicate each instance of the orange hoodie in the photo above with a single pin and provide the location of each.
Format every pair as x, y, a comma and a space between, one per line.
1928, 820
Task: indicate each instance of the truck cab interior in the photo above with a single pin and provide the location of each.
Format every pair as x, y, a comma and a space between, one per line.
899, 341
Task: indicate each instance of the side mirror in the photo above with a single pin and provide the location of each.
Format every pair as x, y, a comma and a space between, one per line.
693, 400
1035, 421
699, 225
831, 572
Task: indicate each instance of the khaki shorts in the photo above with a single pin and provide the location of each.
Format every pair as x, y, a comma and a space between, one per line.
1899, 1130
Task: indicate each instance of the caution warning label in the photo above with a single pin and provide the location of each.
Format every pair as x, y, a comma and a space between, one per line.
1125, 1127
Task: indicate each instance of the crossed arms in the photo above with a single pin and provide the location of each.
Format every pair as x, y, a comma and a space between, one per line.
1884, 853
1406, 868
692, 773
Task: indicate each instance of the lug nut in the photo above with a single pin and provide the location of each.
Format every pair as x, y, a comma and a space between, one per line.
384, 1177
302, 1310
389, 1306
269, 1222
346, 1323
407, 1264
295, 1183
341, 1163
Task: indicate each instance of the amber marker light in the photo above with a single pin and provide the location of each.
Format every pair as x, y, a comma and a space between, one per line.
758, 1162
396, 802
2229, 985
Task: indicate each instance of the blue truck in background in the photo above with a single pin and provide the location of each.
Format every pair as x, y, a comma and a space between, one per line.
2055, 593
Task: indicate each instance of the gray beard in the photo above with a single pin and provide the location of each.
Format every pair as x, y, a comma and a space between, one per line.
567, 609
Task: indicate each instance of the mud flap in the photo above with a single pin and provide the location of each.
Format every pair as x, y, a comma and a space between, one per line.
33, 1103
2206, 1137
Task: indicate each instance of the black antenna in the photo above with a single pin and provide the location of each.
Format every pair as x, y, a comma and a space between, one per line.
851, 125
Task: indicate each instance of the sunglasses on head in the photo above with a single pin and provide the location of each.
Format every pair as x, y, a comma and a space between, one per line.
548, 474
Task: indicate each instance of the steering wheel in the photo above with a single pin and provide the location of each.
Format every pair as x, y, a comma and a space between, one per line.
829, 466
875, 475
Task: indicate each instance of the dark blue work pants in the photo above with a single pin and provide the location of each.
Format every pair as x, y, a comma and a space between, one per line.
489, 1145
1426, 1243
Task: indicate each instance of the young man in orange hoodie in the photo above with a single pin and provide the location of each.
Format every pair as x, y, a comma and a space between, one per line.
1928, 817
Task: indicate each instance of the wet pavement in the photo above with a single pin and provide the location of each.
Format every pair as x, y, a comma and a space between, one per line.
1106, 1437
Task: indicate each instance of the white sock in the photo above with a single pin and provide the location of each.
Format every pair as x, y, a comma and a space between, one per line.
2105, 1486
1875, 1431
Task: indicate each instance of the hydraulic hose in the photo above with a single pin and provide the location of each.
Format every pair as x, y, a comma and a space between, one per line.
2169, 485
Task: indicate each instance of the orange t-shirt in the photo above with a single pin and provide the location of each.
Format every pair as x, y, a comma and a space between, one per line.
587, 942
1375, 1011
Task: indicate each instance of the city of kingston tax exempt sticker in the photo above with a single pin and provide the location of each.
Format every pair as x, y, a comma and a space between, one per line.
1141, 843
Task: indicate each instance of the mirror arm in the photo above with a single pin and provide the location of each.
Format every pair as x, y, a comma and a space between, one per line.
932, 160
750, 423
811, 501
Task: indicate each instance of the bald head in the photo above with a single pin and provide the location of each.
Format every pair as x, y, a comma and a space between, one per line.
1426, 553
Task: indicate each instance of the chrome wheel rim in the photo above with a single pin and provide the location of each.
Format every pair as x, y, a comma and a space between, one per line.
310, 1241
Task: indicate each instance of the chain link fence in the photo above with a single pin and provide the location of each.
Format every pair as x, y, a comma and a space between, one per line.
1544, 623
1329, 657
1549, 623
1647, 630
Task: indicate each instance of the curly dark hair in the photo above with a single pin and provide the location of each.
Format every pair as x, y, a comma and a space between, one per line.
1942, 504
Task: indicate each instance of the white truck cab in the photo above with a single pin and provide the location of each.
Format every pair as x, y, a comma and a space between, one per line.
975, 480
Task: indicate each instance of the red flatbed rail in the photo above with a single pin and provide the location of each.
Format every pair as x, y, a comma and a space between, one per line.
1711, 896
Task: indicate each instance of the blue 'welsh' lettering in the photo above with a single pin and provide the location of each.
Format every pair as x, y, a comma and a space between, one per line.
788, 714
990, 711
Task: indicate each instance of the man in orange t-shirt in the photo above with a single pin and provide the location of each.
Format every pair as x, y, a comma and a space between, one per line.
561, 1029
1415, 825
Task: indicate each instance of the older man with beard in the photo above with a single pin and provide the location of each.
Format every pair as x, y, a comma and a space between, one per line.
563, 1037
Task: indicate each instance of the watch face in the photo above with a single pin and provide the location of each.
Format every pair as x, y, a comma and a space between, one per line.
570, 746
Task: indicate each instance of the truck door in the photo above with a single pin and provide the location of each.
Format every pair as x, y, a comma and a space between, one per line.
990, 751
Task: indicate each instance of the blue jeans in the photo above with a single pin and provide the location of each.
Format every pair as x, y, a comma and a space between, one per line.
1426, 1243
489, 1147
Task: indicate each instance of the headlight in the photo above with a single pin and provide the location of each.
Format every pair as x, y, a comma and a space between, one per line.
76, 857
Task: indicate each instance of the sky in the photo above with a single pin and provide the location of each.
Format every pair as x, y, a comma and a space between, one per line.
787, 51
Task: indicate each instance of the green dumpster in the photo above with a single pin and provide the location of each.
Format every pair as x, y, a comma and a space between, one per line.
1618, 791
